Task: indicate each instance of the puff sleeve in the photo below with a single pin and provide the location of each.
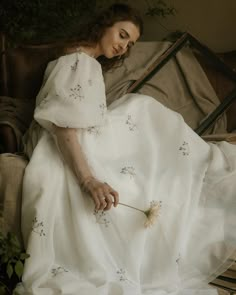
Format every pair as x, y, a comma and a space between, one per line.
72, 94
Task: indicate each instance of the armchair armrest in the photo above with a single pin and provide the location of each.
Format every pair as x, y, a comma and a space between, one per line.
8, 143
229, 137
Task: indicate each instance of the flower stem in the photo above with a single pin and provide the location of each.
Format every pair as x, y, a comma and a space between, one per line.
131, 207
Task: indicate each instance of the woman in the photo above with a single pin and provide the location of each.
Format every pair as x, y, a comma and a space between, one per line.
90, 163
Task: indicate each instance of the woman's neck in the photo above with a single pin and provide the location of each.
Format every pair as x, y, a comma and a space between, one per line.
92, 51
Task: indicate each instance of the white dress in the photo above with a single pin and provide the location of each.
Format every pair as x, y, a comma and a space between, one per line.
148, 154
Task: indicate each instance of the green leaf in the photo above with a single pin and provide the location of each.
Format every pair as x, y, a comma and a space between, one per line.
14, 241
3, 290
4, 259
24, 256
9, 270
19, 268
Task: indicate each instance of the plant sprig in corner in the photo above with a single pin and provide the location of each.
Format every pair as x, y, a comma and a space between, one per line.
12, 258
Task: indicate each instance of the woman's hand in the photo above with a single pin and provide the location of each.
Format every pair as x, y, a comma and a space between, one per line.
103, 195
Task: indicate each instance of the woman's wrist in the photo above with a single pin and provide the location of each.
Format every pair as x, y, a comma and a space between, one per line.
85, 181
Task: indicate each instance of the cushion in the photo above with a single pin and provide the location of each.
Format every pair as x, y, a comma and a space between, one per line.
11, 176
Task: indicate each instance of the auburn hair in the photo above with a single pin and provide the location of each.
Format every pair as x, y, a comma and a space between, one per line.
90, 33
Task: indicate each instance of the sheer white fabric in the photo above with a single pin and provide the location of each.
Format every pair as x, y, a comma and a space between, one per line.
73, 94
147, 153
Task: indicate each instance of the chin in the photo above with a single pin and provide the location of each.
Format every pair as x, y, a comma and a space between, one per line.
109, 54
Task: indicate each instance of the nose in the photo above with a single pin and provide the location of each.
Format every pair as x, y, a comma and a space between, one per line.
124, 45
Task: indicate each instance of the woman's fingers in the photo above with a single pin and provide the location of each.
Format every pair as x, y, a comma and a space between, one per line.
114, 194
109, 202
107, 197
115, 197
96, 201
102, 199
103, 195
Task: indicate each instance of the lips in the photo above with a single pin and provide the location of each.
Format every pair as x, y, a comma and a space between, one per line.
115, 50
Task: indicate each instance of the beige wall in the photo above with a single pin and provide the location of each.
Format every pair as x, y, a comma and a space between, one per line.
213, 22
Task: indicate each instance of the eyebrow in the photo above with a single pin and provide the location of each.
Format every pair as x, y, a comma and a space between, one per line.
127, 35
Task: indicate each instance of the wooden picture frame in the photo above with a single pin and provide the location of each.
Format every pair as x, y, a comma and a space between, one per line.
188, 40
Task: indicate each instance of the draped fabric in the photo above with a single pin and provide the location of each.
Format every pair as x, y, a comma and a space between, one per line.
73, 93
149, 155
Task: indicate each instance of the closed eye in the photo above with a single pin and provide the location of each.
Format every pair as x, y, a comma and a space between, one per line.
125, 35
122, 36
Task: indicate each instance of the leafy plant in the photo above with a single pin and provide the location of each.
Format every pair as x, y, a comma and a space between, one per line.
12, 258
42, 21
159, 8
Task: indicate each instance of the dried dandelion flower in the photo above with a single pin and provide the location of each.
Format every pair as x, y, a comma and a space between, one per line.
151, 214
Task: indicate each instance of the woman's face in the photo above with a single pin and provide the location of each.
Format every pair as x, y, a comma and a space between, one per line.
118, 38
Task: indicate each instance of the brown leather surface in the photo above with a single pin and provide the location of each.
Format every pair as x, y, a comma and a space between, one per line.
24, 69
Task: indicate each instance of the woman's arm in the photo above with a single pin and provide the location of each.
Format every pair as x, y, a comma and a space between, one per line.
102, 194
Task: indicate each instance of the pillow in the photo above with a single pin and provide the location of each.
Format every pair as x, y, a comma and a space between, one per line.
11, 176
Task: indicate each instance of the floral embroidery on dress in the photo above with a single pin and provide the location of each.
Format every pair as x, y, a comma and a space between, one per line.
178, 259
122, 275
101, 217
128, 170
185, 148
44, 101
94, 130
58, 270
38, 227
76, 92
131, 124
75, 65
102, 108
